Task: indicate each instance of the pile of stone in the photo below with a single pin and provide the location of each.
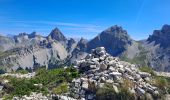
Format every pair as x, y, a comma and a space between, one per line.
99, 68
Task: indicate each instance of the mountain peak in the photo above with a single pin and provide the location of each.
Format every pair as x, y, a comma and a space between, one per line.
161, 36
32, 35
166, 28
56, 34
114, 39
22, 34
115, 29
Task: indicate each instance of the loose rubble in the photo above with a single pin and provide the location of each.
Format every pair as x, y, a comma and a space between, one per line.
165, 74
99, 68
18, 75
40, 96
33, 96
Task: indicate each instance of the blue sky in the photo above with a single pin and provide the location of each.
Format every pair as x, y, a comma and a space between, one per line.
83, 18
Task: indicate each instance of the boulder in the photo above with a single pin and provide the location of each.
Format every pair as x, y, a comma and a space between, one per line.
95, 59
85, 85
112, 63
100, 50
137, 77
128, 70
102, 53
93, 66
111, 69
115, 89
121, 70
103, 79
76, 96
102, 58
89, 56
155, 93
84, 79
103, 66
115, 74
144, 74
140, 91
120, 66
109, 81
90, 97
147, 79
101, 85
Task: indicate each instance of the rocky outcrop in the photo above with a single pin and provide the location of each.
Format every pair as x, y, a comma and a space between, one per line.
114, 39
99, 68
161, 37
79, 51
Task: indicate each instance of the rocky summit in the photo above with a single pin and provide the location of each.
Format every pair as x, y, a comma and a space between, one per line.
115, 39
100, 68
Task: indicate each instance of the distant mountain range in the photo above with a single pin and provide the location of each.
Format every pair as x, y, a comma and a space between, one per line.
32, 50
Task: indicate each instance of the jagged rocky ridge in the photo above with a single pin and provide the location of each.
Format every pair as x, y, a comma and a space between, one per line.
99, 68
33, 50
157, 47
116, 41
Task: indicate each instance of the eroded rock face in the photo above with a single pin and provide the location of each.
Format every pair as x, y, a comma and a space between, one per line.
114, 39
99, 68
161, 36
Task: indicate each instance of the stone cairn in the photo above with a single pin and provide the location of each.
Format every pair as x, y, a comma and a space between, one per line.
99, 68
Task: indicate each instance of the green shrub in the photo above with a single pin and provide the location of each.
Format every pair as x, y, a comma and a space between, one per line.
22, 71
54, 76
160, 82
107, 93
48, 78
7, 97
62, 88
22, 87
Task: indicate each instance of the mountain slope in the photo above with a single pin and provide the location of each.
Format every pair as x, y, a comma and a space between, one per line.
158, 47
6, 43
32, 50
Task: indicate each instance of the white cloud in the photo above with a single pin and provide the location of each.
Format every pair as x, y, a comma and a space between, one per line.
54, 23
43, 24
